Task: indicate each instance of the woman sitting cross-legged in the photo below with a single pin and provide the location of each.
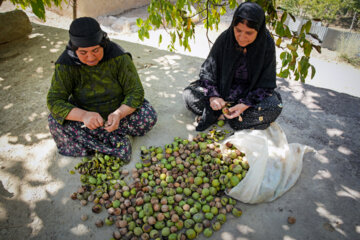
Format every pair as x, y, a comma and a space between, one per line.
239, 75
96, 99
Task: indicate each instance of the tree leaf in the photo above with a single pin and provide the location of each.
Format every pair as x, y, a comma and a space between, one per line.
278, 42
279, 29
307, 48
139, 22
313, 71
160, 39
291, 47
282, 55
317, 48
292, 17
287, 32
308, 26
38, 8
283, 17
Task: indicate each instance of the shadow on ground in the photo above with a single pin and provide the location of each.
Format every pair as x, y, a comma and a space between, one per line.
35, 184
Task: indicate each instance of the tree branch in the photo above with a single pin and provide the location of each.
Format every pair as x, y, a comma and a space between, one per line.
219, 5
207, 23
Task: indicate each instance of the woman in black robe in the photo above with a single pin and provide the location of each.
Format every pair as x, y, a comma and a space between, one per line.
239, 75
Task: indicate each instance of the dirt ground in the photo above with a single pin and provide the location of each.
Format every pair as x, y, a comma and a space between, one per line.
35, 183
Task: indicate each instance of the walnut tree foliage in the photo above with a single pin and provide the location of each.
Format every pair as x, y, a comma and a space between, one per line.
37, 6
176, 18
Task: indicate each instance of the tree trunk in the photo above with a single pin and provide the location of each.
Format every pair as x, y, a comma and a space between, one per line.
1, 1
74, 9
353, 20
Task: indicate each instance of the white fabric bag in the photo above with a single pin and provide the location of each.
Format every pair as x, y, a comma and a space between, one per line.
274, 164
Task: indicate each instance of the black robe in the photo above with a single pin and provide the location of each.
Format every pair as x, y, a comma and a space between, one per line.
220, 65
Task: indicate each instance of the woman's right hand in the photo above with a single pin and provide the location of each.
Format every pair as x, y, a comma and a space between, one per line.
217, 103
93, 120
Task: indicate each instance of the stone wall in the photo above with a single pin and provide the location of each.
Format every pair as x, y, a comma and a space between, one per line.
95, 8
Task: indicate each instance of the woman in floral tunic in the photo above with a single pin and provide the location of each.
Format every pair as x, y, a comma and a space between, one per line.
96, 99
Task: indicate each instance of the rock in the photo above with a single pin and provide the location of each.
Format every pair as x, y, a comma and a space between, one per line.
123, 24
14, 25
107, 20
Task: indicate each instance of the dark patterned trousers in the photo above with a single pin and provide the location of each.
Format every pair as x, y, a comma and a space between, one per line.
74, 140
257, 117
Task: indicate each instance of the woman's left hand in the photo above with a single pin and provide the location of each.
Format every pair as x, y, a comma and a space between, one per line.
115, 117
236, 110
113, 121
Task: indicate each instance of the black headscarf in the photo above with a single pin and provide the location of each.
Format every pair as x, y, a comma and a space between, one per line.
219, 67
86, 32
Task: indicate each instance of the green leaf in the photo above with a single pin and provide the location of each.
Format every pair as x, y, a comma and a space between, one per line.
282, 55
287, 32
180, 4
222, 10
297, 75
291, 47
308, 26
283, 17
232, 4
141, 34
307, 48
173, 37
279, 29
286, 73
160, 39
38, 8
285, 62
139, 22
146, 34
278, 42
313, 71
303, 68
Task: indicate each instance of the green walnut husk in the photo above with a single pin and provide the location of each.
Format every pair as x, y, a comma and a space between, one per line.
175, 191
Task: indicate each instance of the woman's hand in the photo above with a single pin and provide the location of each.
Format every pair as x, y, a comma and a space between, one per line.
115, 117
236, 110
217, 103
113, 121
92, 120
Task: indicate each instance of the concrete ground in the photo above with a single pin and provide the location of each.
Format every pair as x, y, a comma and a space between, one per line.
35, 184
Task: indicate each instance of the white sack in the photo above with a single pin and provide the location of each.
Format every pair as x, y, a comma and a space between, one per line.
275, 165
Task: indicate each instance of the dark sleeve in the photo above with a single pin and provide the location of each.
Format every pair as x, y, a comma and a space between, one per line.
210, 88
59, 92
130, 83
256, 96
268, 73
209, 71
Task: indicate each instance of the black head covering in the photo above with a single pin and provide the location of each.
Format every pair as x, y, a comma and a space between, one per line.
220, 65
250, 12
86, 32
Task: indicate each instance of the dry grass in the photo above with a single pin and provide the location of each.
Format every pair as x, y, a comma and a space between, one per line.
348, 49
